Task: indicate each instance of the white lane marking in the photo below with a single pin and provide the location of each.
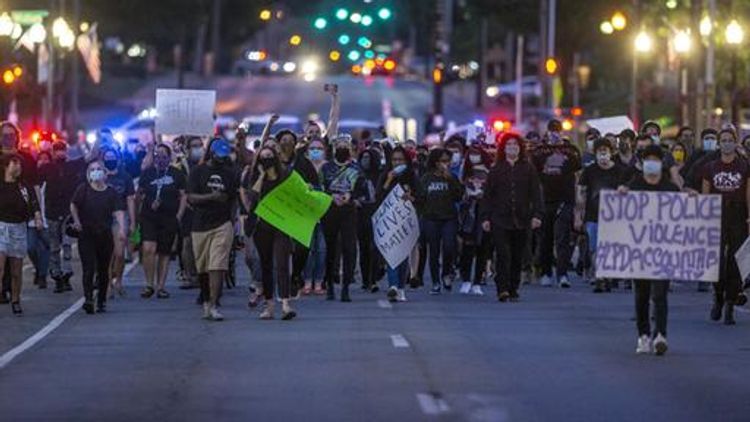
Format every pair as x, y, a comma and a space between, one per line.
385, 304
41, 334
6, 358
399, 341
432, 405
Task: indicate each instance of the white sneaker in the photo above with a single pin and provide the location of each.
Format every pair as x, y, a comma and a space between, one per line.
215, 315
401, 295
476, 290
660, 345
644, 345
564, 283
206, 310
545, 281
465, 288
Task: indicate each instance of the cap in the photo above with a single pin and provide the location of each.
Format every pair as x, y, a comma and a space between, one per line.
220, 148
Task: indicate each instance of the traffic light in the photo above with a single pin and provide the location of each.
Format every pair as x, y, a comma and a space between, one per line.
9, 77
344, 39
342, 14
366, 20
437, 75
384, 13
320, 23
551, 66
334, 55
295, 40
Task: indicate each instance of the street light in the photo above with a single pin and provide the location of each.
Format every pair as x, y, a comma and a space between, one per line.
6, 25
295, 40
706, 26
366, 20
265, 15
619, 21
37, 33
734, 35
642, 44
682, 42
607, 28
355, 18
320, 23
342, 14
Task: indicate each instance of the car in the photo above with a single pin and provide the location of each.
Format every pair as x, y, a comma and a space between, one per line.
140, 127
531, 87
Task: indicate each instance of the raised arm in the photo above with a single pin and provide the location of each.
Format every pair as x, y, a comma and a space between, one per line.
267, 129
333, 118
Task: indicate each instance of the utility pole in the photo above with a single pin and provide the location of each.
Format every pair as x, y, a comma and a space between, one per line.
48, 108
552, 23
710, 69
482, 76
440, 49
75, 84
696, 86
634, 109
519, 77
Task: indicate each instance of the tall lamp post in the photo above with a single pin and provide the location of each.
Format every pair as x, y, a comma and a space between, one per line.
682, 44
734, 35
642, 45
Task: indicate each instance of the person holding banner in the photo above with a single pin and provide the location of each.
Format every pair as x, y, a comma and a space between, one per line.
341, 179
274, 247
512, 205
651, 179
212, 188
728, 176
438, 193
400, 171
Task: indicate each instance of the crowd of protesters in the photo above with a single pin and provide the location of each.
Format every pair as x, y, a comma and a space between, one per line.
512, 209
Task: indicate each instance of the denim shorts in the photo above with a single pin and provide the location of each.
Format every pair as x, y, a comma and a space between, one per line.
13, 240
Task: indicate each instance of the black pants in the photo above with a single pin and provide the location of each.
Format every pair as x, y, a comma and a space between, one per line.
300, 253
645, 292
556, 229
734, 233
340, 222
95, 249
441, 242
274, 250
475, 254
509, 244
368, 253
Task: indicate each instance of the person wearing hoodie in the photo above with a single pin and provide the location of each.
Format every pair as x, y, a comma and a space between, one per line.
476, 244
342, 179
400, 171
438, 193
370, 164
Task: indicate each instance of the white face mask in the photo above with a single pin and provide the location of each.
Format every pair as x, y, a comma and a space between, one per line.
604, 158
590, 145
475, 158
456, 159
512, 151
96, 175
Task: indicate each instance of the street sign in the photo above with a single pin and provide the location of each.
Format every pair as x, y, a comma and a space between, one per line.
28, 17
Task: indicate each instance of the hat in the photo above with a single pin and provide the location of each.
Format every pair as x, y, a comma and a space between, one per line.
220, 148
652, 124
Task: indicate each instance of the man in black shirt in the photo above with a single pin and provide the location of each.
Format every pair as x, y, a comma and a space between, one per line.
122, 183
557, 162
604, 173
213, 188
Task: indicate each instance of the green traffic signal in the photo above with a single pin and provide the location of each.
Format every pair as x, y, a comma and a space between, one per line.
344, 39
384, 13
342, 14
320, 23
366, 20
353, 55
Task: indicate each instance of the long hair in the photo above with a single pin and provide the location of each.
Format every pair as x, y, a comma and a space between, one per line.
434, 157
502, 140
255, 168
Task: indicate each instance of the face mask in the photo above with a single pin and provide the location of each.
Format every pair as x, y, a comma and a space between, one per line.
678, 156
399, 169
342, 155
382, 161
161, 162
366, 163
267, 163
709, 144
96, 175
590, 145
196, 153
316, 154
9, 141
475, 158
603, 158
456, 159
728, 148
651, 167
554, 137
512, 151
111, 165
421, 158
655, 139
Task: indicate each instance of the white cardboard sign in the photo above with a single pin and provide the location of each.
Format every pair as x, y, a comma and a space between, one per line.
185, 112
395, 227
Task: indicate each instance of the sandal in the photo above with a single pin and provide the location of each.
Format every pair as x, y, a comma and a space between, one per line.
147, 292
162, 294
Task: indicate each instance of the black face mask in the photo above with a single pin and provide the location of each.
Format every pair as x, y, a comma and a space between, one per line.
218, 161
366, 162
421, 157
110, 165
9, 141
342, 155
267, 163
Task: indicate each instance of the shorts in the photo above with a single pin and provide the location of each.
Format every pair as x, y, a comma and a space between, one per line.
163, 231
13, 241
211, 248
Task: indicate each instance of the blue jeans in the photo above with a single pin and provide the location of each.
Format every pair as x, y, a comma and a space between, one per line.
396, 276
441, 237
592, 234
316, 262
39, 251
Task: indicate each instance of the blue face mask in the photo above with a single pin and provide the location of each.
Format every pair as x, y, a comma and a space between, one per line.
709, 144
651, 167
399, 169
316, 154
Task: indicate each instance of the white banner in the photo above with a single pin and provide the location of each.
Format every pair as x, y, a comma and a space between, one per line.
658, 236
742, 257
613, 125
396, 227
185, 112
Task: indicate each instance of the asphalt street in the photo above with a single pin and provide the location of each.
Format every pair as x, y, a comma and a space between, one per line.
564, 355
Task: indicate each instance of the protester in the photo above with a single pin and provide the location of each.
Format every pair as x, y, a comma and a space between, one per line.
93, 207
400, 172
476, 245
651, 291
274, 247
195, 152
38, 236
212, 192
370, 164
161, 195
512, 205
19, 205
316, 261
728, 176
438, 193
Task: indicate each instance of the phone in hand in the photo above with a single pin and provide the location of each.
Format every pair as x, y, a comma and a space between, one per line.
332, 88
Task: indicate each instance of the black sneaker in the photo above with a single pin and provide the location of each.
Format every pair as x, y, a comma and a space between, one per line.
66, 282
716, 310
88, 307
101, 308
345, 294
729, 315
503, 296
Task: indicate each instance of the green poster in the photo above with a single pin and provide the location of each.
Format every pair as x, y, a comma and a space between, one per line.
294, 208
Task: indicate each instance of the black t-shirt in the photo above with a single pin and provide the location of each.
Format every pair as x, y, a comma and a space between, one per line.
728, 179
595, 179
206, 179
61, 179
557, 166
166, 185
18, 202
122, 183
95, 208
664, 185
